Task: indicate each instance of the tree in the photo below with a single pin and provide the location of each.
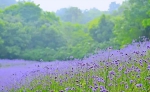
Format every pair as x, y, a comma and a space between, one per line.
27, 10
2, 28
113, 6
103, 31
72, 14
130, 26
90, 14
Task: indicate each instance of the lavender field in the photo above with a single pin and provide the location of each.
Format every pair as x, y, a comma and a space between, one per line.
125, 70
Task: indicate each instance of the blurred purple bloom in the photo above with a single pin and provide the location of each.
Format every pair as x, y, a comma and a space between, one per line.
138, 85
126, 86
66, 89
100, 80
148, 67
112, 73
131, 81
104, 90
120, 68
148, 47
102, 87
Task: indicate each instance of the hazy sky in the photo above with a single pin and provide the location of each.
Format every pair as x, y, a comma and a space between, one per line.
53, 5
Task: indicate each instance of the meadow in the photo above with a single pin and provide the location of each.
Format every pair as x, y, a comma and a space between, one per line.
125, 70
63, 40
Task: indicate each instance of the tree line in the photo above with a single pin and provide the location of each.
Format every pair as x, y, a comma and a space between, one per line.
27, 32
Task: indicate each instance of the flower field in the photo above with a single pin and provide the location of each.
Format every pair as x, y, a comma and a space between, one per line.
125, 70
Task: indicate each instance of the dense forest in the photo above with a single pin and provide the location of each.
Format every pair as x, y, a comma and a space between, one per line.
27, 32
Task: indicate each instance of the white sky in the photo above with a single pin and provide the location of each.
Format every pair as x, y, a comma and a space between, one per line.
54, 5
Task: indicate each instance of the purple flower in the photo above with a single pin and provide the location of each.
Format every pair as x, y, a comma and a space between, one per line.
131, 81
94, 89
138, 76
66, 89
120, 68
110, 84
138, 85
148, 67
100, 80
148, 47
126, 86
112, 73
102, 87
137, 70
90, 87
104, 90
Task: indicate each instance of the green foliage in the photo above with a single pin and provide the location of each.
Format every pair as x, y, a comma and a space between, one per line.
75, 15
103, 31
28, 32
131, 24
27, 10
72, 14
90, 14
44, 36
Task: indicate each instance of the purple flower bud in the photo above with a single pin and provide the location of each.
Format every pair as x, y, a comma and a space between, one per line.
126, 86
138, 76
96, 87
